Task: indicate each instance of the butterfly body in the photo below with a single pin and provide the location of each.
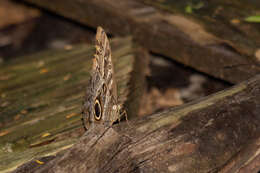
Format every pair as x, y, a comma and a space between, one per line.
100, 102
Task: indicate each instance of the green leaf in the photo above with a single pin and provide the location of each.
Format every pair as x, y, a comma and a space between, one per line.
188, 9
253, 19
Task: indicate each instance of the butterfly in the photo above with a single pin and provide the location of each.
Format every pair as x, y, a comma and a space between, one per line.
100, 104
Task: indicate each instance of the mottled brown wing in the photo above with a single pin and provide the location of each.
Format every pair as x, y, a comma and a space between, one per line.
100, 103
104, 58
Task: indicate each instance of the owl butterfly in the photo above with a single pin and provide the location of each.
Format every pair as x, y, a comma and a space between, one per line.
100, 103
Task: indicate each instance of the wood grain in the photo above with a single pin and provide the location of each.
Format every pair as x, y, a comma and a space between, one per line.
216, 133
41, 97
214, 40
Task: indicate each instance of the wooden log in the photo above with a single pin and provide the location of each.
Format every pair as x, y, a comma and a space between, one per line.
247, 160
213, 39
41, 97
202, 136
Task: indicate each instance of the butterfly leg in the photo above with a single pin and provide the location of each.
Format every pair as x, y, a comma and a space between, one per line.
123, 113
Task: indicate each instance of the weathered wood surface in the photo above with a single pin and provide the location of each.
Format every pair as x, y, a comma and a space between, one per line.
220, 132
41, 98
246, 161
213, 39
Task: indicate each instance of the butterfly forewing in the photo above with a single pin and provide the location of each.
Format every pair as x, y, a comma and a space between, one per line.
100, 103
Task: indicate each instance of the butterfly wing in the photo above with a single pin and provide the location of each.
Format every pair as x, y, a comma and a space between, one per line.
104, 58
100, 103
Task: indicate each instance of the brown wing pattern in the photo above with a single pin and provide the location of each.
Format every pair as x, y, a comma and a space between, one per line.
100, 103
104, 58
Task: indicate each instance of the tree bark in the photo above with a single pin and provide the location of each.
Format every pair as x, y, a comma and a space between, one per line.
218, 133
214, 39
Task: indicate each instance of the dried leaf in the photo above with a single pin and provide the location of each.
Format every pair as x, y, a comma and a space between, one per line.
39, 162
44, 70
45, 135
3, 133
24, 111
235, 21
71, 115
67, 77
